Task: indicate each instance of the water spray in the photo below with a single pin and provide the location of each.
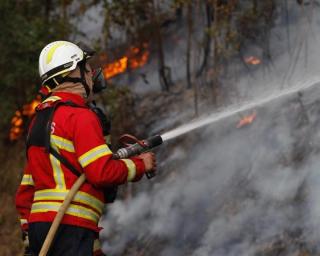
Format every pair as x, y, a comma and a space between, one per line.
218, 116
134, 147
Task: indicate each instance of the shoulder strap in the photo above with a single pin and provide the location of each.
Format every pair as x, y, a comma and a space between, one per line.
50, 149
110, 193
64, 161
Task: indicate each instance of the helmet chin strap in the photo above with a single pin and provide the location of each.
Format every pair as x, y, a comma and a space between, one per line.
82, 66
82, 79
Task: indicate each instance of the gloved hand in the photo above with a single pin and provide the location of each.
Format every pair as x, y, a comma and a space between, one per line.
25, 239
149, 161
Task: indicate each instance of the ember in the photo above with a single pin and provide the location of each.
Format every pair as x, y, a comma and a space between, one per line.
252, 60
247, 120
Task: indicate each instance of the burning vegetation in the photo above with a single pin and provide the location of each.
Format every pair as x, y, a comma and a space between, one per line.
135, 58
17, 127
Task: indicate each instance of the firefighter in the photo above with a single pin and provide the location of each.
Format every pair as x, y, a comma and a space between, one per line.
65, 139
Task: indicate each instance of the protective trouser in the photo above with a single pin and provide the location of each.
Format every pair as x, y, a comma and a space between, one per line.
69, 240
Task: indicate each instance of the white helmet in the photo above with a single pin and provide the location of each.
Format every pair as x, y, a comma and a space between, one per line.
59, 58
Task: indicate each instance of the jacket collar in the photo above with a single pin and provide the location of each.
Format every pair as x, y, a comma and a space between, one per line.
62, 97
67, 96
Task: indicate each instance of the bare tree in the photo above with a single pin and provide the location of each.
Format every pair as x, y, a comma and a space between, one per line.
164, 71
207, 38
189, 43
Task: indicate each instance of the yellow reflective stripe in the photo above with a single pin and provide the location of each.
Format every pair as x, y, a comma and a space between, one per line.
58, 174
80, 197
23, 221
93, 154
131, 168
27, 180
74, 210
52, 50
52, 98
61, 143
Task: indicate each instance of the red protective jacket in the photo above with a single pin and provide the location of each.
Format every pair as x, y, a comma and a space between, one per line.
76, 134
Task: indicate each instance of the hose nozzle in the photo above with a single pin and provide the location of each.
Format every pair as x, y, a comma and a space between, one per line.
138, 147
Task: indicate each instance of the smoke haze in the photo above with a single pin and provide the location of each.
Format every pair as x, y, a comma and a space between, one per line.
247, 191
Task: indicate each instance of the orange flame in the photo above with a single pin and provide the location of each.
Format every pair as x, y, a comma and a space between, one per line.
247, 120
252, 60
135, 58
115, 68
28, 110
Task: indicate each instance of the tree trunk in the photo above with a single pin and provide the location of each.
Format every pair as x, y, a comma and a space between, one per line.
207, 39
189, 42
164, 71
215, 53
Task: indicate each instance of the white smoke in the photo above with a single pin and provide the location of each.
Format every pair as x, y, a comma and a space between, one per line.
228, 191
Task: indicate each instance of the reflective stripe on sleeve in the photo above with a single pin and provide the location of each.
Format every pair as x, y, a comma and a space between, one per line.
62, 143
27, 180
93, 154
80, 197
131, 168
74, 210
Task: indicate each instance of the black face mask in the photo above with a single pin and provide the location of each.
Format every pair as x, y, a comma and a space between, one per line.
99, 83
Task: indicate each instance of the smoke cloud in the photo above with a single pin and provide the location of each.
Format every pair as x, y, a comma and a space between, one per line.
228, 191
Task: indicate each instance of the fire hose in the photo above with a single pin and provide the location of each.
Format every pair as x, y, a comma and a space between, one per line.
133, 147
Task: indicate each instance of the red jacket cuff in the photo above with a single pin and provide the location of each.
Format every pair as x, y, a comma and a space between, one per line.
140, 168
25, 227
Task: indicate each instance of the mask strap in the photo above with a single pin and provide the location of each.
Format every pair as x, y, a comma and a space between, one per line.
82, 66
